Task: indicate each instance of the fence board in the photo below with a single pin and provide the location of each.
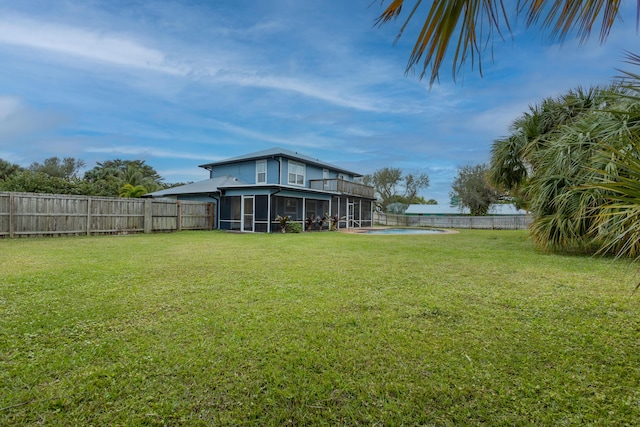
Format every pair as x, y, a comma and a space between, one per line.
31, 214
5, 214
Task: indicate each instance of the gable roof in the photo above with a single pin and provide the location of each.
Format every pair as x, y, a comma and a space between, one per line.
279, 152
207, 186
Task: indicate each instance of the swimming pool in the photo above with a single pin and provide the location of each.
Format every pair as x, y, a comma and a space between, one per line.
403, 231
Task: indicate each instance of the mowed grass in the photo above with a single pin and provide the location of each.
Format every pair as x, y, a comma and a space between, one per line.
211, 328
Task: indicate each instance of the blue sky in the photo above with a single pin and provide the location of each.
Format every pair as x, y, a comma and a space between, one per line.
181, 83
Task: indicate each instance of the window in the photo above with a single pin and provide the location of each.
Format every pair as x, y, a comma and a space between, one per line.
296, 173
290, 206
261, 172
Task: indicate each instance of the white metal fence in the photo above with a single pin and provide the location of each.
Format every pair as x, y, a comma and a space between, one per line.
489, 222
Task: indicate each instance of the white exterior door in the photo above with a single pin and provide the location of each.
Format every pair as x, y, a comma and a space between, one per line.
350, 209
247, 213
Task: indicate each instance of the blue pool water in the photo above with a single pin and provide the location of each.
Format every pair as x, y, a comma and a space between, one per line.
403, 231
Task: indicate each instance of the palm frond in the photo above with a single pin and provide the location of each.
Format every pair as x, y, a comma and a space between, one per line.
473, 20
470, 24
563, 16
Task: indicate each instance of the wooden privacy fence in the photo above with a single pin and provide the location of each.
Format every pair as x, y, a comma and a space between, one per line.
31, 214
490, 222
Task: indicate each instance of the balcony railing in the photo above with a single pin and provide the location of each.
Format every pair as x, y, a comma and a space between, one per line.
343, 187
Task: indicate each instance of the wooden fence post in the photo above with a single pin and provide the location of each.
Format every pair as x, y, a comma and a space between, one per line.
179, 215
147, 222
212, 216
88, 216
11, 218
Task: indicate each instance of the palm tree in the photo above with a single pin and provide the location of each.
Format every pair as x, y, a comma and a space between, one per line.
111, 175
473, 23
616, 223
515, 157
550, 156
132, 191
562, 214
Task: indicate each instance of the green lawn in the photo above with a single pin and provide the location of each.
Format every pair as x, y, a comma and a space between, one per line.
210, 328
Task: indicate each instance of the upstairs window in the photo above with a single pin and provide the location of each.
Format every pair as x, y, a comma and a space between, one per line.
296, 173
261, 172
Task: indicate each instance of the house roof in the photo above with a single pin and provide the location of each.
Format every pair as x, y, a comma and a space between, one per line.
279, 152
207, 186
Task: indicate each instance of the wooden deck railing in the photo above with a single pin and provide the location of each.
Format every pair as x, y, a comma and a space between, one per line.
343, 187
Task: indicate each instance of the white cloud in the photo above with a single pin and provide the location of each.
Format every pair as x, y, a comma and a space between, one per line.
88, 44
297, 141
125, 51
334, 93
18, 119
9, 106
496, 121
141, 150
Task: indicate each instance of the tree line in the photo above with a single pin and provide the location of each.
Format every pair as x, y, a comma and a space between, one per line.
112, 178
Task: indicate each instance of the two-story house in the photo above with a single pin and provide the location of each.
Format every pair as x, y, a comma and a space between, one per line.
250, 191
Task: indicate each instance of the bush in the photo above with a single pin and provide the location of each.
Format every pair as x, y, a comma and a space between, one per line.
294, 227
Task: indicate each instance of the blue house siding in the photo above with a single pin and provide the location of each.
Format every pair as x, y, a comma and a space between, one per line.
313, 172
273, 166
244, 171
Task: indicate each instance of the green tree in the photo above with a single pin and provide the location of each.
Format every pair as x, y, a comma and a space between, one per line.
392, 187
471, 189
413, 183
581, 173
473, 25
615, 174
386, 182
110, 176
132, 191
39, 182
516, 157
66, 168
551, 153
7, 169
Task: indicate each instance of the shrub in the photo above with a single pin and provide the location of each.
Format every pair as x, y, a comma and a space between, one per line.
294, 227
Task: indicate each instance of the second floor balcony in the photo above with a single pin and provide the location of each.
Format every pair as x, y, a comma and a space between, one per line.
341, 186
